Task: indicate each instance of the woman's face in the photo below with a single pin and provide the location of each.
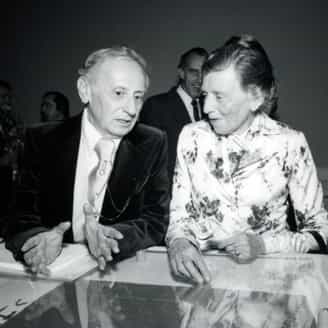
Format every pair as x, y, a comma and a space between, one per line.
229, 107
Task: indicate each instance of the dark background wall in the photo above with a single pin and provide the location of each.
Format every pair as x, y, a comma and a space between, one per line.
45, 42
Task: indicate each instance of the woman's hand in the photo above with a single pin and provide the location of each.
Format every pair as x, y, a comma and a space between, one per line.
187, 261
243, 247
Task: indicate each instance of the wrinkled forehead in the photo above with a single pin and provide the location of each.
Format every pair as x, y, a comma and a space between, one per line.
195, 61
224, 78
116, 67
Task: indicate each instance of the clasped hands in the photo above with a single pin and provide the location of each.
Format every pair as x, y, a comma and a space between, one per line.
43, 248
188, 263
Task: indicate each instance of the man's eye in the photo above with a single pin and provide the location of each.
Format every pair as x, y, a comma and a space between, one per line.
193, 71
119, 93
139, 97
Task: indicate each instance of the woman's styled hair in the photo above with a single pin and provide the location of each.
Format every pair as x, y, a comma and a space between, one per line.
252, 64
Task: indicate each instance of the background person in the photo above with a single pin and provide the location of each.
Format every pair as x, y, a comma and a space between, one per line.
10, 143
179, 106
54, 107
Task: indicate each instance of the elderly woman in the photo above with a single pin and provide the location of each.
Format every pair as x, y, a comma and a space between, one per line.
235, 171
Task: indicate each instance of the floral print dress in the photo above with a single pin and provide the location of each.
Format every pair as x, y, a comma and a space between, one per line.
224, 185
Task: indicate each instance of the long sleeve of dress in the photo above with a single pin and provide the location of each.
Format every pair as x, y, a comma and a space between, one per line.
183, 210
307, 197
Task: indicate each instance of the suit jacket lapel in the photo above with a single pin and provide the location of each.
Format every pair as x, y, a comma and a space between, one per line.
180, 112
122, 180
69, 153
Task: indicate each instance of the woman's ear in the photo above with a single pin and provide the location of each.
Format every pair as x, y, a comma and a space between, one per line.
256, 97
83, 88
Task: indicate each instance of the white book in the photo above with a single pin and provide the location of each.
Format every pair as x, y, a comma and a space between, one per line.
74, 261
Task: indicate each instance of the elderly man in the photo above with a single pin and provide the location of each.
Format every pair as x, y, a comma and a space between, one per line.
179, 106
103, 178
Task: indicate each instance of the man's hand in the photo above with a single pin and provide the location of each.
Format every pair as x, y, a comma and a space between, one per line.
243, 247
187, 261
43, 248
102, 240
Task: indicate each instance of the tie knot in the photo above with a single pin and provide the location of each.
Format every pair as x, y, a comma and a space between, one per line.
104, 148
194, 102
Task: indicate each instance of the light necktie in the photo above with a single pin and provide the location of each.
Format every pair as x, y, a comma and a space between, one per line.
100, 173
196, 109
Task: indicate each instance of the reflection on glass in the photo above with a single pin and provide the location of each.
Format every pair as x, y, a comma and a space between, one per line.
55, 309
98, 304
205, 307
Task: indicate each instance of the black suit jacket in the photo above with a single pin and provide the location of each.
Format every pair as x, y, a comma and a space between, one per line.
137, 196
167, 112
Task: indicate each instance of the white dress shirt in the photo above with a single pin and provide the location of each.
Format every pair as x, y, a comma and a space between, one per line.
187, 102
87, 160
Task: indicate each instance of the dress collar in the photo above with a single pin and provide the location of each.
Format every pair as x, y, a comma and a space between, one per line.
262, 124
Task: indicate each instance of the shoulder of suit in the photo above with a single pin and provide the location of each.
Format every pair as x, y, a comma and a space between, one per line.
63, 131
162, 97
142, 130
146, 134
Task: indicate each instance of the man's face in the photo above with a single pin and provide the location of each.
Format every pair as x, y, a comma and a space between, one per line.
191, 75
49, 110
228, 106
5, 98
116, 90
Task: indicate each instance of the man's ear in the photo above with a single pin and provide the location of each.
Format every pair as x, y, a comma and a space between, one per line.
181, 74
83, 88
256, 97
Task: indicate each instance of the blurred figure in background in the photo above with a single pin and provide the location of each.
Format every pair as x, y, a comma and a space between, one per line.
53, 112
9, 143
54, 107
181, 105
